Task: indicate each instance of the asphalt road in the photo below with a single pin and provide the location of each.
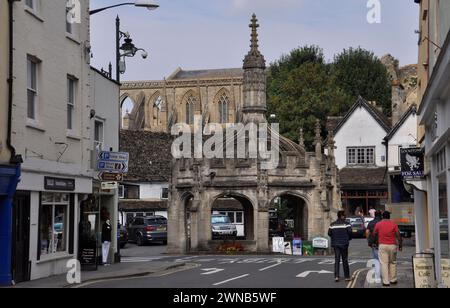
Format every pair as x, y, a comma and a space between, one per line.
235, 272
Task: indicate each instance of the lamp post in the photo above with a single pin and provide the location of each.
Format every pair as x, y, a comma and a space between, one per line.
128, 48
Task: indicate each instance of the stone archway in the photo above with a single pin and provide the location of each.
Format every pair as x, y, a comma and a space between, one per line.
241, 212
289, 216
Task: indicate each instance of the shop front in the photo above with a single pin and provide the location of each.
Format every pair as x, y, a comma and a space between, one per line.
46, 223
95, 211
9, 177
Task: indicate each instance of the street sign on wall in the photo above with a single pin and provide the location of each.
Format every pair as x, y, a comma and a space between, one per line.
110, 177
412, 163
113, 162
110, 185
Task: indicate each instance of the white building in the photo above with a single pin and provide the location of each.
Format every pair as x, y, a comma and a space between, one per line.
63, 111
361, 156
50, 130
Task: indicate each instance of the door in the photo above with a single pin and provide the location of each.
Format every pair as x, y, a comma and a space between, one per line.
21, 237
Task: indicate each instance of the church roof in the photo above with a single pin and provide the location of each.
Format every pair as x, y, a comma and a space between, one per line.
180, 74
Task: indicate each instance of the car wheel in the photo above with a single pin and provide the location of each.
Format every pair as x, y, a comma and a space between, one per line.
139, 241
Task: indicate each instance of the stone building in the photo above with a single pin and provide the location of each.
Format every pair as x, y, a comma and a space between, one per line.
308, 181
214, 94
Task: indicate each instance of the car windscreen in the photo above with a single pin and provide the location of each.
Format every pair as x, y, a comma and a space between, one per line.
221, 220
156, 221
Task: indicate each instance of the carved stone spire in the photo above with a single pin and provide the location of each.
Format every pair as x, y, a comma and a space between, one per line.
254, 84
254, 58
301, 139
318, 140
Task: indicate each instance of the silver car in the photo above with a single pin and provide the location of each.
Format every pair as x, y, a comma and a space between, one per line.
222, 226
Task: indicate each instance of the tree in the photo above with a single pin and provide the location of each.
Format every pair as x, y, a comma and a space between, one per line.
359, 72
301, 90
302, 87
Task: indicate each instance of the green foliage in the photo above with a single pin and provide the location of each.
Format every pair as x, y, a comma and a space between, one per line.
360, 72
302, 87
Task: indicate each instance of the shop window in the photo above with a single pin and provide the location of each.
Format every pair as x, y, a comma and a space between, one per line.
399, 194
54, 219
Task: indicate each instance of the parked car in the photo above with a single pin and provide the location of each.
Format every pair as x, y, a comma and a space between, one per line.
222, 226
123, 236
143, 230
358, 226
367, 221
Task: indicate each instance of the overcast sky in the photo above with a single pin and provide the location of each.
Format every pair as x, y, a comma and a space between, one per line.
202, 34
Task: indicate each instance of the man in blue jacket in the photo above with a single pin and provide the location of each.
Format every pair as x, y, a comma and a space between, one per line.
340, 233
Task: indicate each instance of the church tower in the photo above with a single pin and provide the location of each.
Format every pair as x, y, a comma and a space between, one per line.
254, 85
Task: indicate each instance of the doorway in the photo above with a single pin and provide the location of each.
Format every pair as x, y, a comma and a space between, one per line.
21, 237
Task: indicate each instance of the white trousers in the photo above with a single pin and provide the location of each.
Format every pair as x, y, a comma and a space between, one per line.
105, 251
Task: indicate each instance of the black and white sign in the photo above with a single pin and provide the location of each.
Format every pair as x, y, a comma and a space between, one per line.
59, 184
412, 161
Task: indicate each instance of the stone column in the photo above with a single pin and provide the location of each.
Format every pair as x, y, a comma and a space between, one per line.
262, 230
204, 227
176, 232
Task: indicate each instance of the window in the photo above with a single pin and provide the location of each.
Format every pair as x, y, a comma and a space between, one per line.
361, 156
121, 192
165, 194
32, 90
190, 110
223, 109
441, 161
98, 136
71, 90
68, 23
131, 192
157, 106
31, 4
54, 214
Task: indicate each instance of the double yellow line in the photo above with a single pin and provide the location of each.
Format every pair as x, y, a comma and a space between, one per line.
355, 277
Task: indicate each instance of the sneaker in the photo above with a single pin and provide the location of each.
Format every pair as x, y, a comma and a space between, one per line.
394, 283
336, 279
386, 285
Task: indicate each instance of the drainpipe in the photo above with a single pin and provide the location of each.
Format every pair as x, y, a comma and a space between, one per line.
14, 159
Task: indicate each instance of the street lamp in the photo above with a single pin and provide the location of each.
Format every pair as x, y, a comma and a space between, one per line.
128, 48
149, 4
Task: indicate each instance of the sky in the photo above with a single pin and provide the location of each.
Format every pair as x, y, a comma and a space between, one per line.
206, 34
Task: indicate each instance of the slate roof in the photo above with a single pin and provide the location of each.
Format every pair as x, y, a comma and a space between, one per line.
207, 74
150, 155
363, 178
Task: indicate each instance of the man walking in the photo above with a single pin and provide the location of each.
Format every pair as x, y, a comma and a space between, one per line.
340, 233
373, 244
390, 241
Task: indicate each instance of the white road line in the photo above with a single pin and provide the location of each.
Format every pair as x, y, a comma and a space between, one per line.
272, 266
232, 279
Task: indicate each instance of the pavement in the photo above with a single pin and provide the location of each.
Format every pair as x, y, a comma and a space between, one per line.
151, 267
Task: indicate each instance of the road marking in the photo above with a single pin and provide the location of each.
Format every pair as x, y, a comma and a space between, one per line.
355, 277
139, 260
306, 274
211, 271
272, 266
229, 280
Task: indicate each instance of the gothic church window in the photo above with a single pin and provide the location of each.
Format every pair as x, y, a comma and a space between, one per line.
223, 109
190, 110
